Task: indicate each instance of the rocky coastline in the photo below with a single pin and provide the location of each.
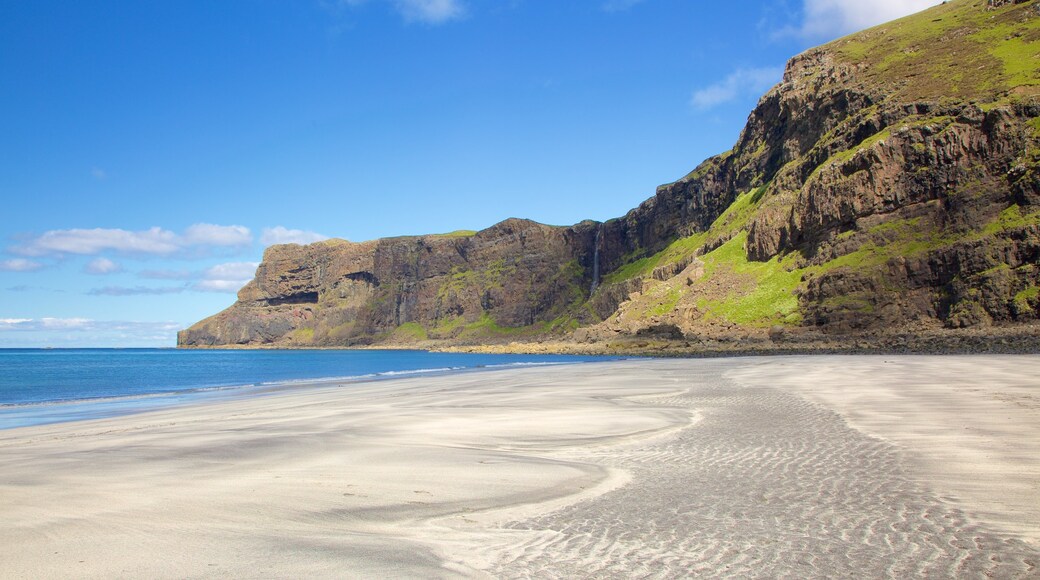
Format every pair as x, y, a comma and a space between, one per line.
873, 201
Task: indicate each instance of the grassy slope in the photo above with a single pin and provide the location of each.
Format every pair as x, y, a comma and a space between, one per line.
959, 52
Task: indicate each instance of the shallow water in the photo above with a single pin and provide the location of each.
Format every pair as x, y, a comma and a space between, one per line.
40, 386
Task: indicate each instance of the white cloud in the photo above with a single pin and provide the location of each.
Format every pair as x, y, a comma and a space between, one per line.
228, 286
5, 322
232, 270
93, 241
153, 241
282, 235
19, 265
45, 323
65, 323
832, 18
101, 266
85, 332
430, 11
229, 277
214, 235
741, 82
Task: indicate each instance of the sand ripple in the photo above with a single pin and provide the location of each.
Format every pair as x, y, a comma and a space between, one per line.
629, 469
765, 485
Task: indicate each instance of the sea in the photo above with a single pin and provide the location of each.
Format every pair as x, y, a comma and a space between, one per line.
40, 386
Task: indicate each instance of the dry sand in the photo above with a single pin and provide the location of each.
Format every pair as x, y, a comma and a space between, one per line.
751, 467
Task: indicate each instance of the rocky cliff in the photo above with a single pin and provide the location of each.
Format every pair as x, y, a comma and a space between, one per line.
890, 182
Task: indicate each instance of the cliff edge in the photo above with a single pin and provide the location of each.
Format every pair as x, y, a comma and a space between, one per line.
889, 184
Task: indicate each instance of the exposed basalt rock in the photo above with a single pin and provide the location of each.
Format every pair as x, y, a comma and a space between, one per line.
514, 274
889, 184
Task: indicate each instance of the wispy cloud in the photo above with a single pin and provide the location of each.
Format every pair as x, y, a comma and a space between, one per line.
11, 323
98, 173
19, 265
229, 277
102, 266
214, 235
135, 290
620, 5
45, 323
424, 11
153, 241
740, 83
430, 11
832, 18
84, 332
93, 241
282, 235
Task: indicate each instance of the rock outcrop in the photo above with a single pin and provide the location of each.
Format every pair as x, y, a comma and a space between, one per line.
515, 274
890, 182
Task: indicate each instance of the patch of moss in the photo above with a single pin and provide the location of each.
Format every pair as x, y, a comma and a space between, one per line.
738, 214
1023, 299
1034, 125
844, 156
490, 277
708, 164
456, 234
633, 269
771, 299
488, 326
861, 304
665, 303
448, 326
410, 331
562, 324
679, 249
303, 335
1011, 218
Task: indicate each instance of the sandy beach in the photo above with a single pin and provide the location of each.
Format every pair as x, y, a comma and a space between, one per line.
821, 466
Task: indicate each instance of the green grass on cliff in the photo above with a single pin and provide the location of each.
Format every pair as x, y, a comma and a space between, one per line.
410, 332
456, 234
756, 293
460, 281
738, 215
1010, 219
1024, 299
734, 219
678, 250
959, 49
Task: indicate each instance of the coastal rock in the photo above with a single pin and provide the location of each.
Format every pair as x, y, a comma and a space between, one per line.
888, 185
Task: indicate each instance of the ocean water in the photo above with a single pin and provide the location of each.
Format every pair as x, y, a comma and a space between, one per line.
40, 386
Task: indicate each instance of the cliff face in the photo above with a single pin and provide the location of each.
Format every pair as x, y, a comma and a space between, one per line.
515, 274
889, 181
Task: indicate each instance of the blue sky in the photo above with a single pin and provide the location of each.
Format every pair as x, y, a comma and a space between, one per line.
151, 150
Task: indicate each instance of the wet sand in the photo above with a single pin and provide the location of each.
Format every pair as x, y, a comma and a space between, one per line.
818, 466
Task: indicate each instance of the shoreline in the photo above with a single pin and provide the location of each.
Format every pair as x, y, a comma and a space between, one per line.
1015, 339
807, 466
29, 414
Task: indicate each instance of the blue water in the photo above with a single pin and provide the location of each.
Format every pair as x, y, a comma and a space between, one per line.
40, 386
